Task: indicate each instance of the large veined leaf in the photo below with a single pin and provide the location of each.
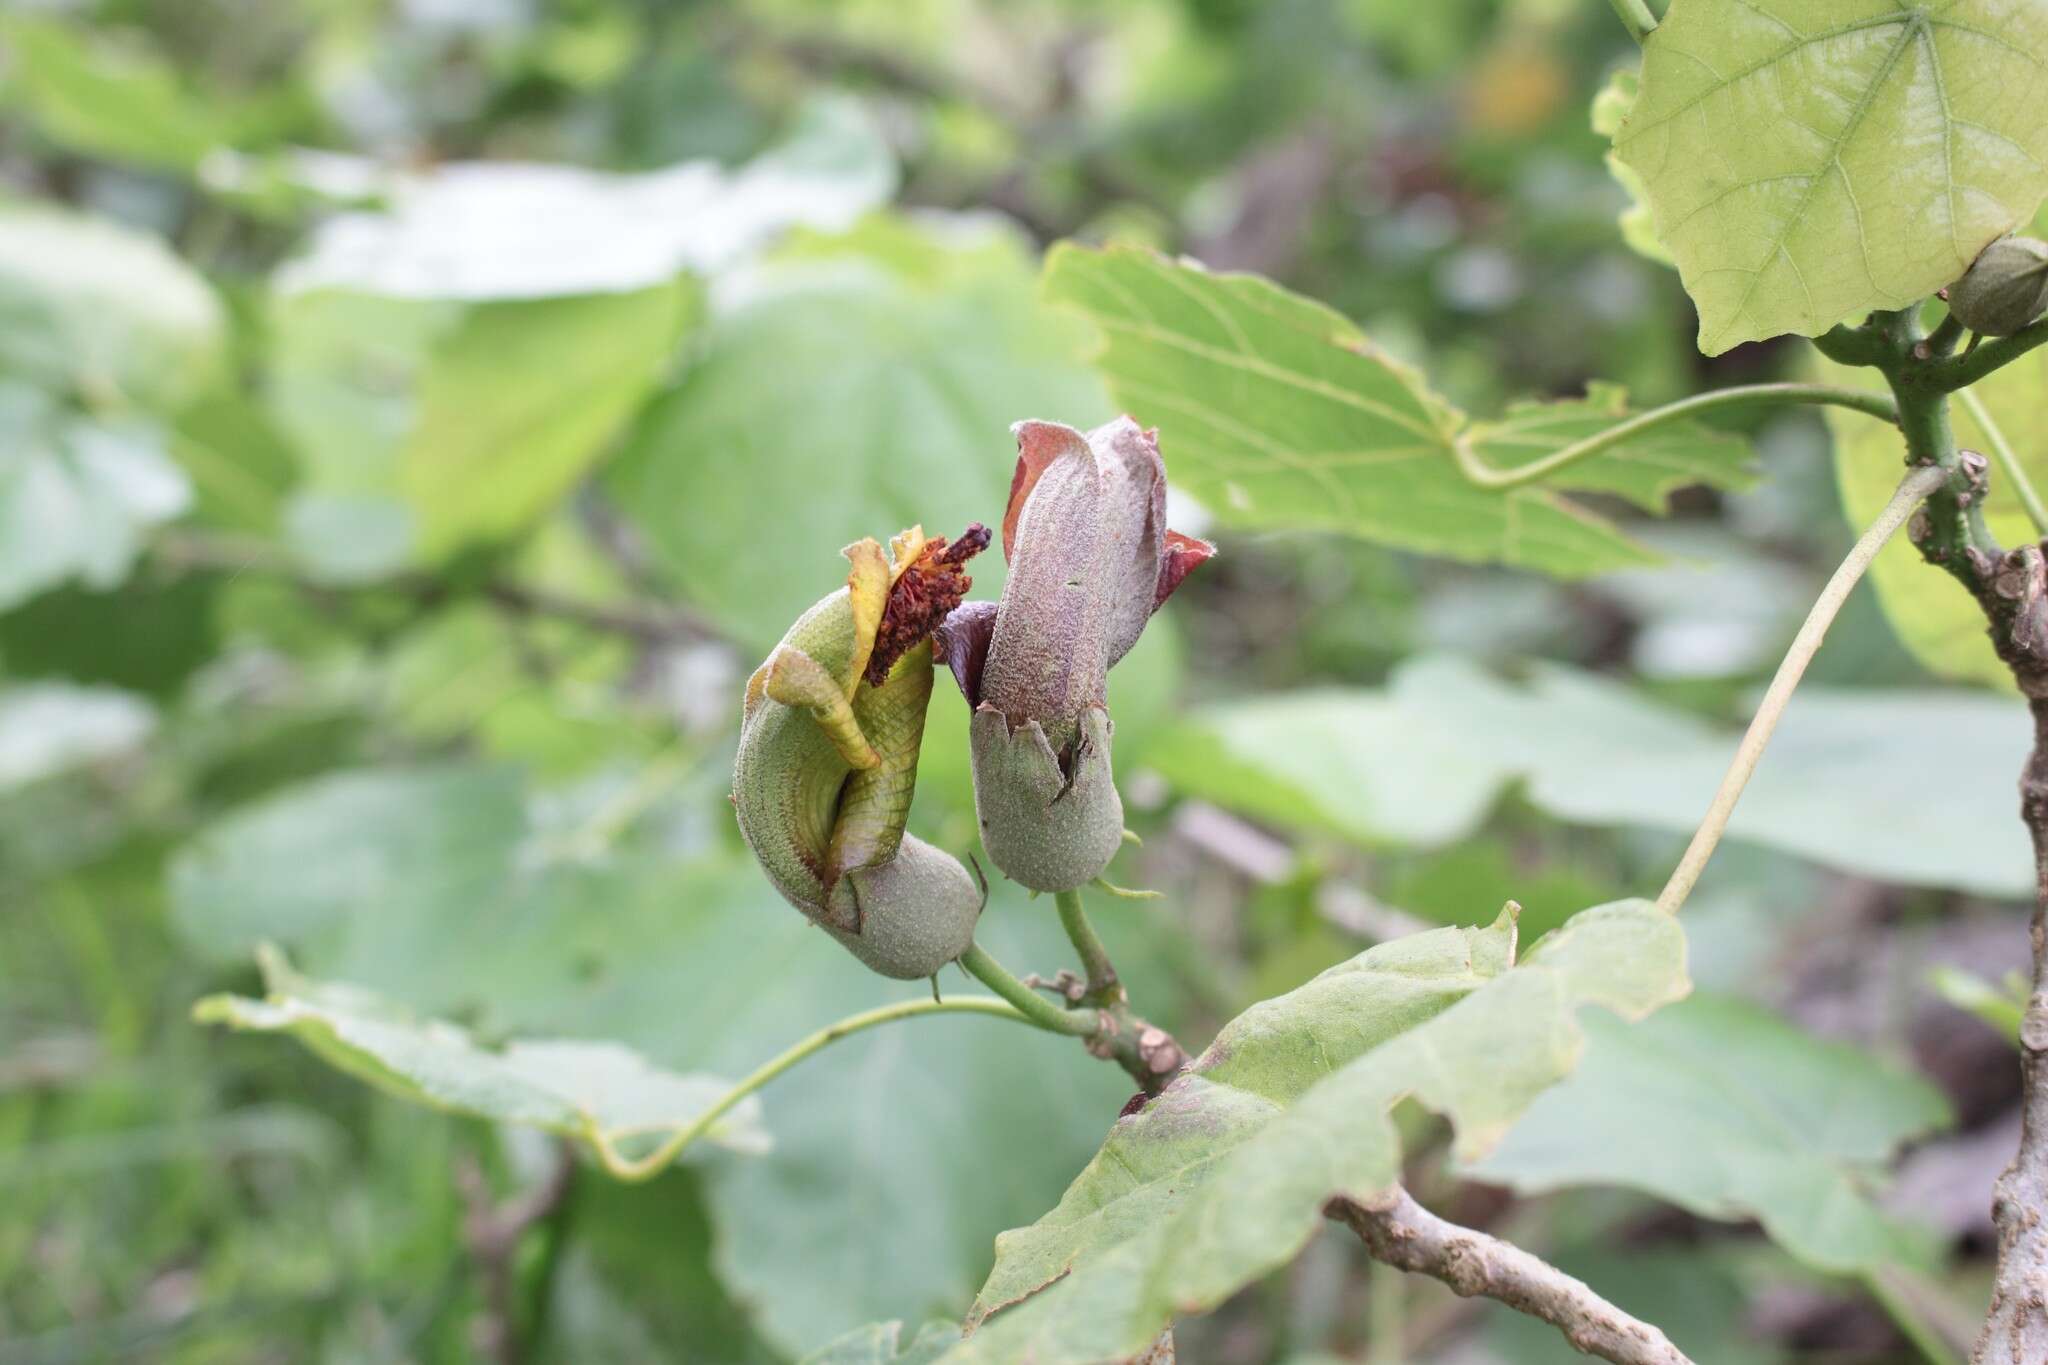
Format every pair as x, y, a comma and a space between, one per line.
1224, 1176
1725, 1109
1421, 762
1638, 226
1276, 412
519, 400
600, 1093
897, 1158
475, 231
1809, 162
846, 395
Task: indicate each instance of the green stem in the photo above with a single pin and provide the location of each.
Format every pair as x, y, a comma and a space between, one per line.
1635, 16
641, 1168
1100, 972
1488, 476
1942, 340
1961, 371
1035, 1008
2008, 461
1913, 489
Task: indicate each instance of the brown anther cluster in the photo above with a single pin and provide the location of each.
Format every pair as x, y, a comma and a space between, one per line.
923, 596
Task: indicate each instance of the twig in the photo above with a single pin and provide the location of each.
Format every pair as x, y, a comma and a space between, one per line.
492, 1233
1913, 489
1096, 968
1403, 1234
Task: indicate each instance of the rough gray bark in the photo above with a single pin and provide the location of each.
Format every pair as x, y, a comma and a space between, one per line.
2016, 1330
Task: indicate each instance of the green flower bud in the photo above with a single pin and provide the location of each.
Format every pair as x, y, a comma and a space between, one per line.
2005, 288
1090, 561
827, 765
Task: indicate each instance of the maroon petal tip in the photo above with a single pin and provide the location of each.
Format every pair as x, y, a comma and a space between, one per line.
1181, 556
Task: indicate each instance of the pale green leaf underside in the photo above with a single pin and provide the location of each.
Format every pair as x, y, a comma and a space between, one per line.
598, 1092
1810, 160
1422, 762
1223, 1177
1725, 1109
1278, 413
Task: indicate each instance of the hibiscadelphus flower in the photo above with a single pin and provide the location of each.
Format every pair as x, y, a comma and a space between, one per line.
1090, 560
829, 740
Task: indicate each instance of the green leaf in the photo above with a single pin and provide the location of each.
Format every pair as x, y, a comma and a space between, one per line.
598, 1093
47, 728
456, 892
426, 427
1223, 1178
881, 1343
92, 93
1726, 1110
1933, 615
1422, 761
91, 307
845, 396
1807, 163
521, 398
76, 496
1276, 412
1638, 229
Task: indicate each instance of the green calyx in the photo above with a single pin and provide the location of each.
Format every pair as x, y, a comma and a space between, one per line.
1047, 825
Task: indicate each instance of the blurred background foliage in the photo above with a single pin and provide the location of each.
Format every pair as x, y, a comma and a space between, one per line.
421, 414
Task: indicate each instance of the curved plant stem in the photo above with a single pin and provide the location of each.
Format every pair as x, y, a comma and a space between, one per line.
1961, 371
1635, 17
1096, 968
1488, 476
1913, 489
2008, 462
624, 1167
1035, 1008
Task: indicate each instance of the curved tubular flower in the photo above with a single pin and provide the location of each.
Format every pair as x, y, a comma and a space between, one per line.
827, 765
1090, 561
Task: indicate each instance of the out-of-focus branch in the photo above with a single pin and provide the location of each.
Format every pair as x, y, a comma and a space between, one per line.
492, 1233
1403, 1234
